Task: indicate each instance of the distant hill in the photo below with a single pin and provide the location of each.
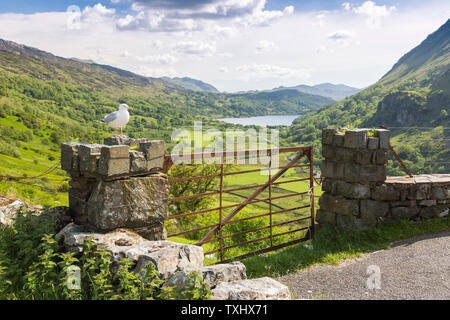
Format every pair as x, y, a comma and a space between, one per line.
415, 93
334, 91
191, 84
46, 99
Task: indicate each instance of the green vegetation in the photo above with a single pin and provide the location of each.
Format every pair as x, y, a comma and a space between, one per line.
331, 245
46, 100
415, 94
33, 266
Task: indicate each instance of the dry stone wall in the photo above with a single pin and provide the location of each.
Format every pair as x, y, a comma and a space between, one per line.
357, 192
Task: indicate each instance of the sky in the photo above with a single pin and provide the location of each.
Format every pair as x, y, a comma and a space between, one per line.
235, 45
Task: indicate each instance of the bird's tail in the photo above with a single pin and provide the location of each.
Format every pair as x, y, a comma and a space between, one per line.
102, 120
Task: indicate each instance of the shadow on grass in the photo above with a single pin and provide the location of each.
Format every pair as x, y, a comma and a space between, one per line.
331, 246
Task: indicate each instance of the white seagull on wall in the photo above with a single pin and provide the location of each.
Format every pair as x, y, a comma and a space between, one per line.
119, 118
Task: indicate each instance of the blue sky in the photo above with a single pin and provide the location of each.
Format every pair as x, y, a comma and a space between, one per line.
32, 6
233, 44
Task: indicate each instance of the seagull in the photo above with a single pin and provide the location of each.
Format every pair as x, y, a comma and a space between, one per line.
118, 119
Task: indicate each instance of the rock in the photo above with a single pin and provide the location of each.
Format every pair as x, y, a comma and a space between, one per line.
254, 289
130, 203
212, 275
167, 257
346, 221
352, 172
61, 216
338, 139
9, 208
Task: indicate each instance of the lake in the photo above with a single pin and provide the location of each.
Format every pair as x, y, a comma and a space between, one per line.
263, 121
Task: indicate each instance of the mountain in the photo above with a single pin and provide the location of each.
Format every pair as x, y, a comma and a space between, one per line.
46, 99
191, 84
413, 98
334, 91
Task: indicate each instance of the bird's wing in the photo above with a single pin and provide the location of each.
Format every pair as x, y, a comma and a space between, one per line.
110, 117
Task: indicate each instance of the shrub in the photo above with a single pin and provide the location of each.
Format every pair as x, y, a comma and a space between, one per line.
34, 266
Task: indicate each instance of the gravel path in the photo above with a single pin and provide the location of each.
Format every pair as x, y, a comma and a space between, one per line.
418, 268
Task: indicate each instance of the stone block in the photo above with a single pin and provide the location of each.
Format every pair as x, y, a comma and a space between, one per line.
352, 190
339, 204
328, 151
346, 221
427, 203
114, 160
373, 143
439, 192
365, 157
385, 192
405, 203
129, 203
89, 155
327, 136
404, 212
434, 211
123, 140
345, 155
338, 139
384, 137
422, 191
325, 217
374, 208
154, 151
153, 147
69, 155
328, 185
252, 289
328, 168
372, 173
380, 157
138, 162
355, 139
352, 172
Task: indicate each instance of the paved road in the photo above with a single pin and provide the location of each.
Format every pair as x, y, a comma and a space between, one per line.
418, 268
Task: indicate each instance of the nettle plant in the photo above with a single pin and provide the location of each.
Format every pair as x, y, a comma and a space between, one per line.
34, 266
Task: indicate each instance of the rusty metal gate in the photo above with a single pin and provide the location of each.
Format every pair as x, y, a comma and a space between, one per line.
215, 232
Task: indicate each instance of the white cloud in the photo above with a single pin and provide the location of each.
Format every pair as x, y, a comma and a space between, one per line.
266, 70
346, 6
163, 59
265, 46
374, 13
194, 48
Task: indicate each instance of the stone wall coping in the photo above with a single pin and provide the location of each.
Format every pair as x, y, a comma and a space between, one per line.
422, 178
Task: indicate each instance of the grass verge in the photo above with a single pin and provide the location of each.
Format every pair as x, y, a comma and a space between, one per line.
332, 246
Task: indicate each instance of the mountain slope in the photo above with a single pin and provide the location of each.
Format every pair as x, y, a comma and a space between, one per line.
334, 91
413, 97
45, 100
191, 84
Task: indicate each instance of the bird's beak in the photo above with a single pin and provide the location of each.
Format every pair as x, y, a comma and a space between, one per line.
130, 108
